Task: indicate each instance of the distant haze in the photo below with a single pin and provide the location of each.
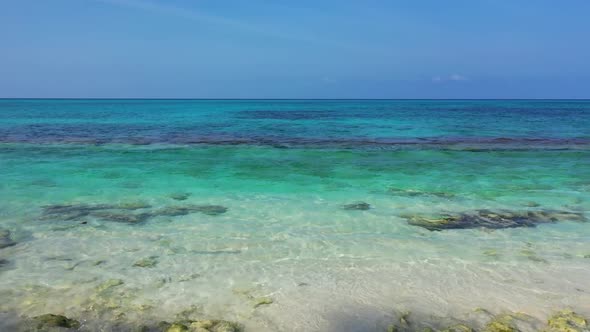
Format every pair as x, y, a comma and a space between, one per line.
294, 49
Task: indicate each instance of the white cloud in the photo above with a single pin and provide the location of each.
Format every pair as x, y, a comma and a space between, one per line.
329, 80
450, 78
457, 77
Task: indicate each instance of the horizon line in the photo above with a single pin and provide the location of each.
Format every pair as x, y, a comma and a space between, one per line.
189, 98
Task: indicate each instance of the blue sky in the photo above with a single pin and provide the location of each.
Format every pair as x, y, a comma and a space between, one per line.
295, 49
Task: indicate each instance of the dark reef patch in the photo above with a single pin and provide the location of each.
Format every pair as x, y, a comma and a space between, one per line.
87, 208
124, 212
173, 211
5, 239
201, 326
108, 212
494, 219
361, 206
418, 193
288, 115
148, 262
70, 211
567, 320
130, 218
180, 196
49, 321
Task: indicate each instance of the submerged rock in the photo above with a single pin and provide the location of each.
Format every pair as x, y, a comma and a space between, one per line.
392, 328
146, 262
403, 323
415, 193
99, 262
532, 255
67, 208
510, 322
122, 212
205, 325
262, 301
357, 206
173, 211
5, 239
129, 218
494, 219
190, 313
46, 321
109, 284
180, 196
225, 326
211, 210
567, 321
491, 253
177, 327
71, 211
502, 323
113, 212
73, 214
133, 206
458, 328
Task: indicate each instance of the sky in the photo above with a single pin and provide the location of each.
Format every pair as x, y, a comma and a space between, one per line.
294, 49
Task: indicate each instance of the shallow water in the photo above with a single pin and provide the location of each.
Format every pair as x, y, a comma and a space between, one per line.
285, 170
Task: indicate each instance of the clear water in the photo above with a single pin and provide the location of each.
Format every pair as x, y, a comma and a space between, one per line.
284, 170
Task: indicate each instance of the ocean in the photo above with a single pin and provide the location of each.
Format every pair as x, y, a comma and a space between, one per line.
294, 215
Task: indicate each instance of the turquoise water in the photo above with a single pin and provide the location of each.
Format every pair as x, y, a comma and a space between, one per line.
92, 187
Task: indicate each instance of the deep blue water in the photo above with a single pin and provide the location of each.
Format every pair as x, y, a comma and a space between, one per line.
297, 122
